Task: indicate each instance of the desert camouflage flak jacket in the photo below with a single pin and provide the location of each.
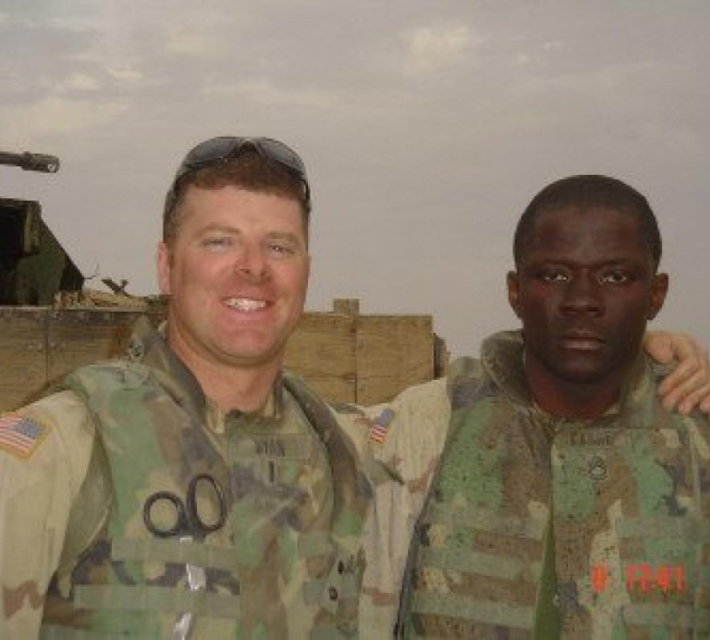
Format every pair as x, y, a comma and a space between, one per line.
286, 564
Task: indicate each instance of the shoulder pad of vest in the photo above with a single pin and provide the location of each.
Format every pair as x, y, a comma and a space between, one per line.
94, 378
311, 403
464, 367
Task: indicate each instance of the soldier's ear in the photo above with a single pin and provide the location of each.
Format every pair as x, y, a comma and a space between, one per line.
513, 282
659, 289
163, 260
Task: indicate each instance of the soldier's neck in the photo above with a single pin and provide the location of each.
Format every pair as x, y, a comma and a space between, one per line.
244, 390
231, 385
572, 399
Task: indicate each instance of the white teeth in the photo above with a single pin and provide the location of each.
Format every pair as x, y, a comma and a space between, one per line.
245, 304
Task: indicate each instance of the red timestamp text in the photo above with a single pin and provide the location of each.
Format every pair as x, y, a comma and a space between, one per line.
642, 577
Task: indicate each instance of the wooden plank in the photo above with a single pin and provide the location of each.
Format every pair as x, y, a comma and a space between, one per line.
347, 358
23, 355
322, 350
78, 337
393, 352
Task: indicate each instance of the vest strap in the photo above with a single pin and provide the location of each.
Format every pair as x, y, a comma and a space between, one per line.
547, 617
667, 615
173, 550
88, 514
484, 564
486, 520
152, 598
453, 605
661, 527
53, 632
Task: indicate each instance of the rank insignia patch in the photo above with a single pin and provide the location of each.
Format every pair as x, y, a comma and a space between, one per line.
378, 432
20, 435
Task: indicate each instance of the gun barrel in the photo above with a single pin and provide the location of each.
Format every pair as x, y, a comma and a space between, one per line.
30, 161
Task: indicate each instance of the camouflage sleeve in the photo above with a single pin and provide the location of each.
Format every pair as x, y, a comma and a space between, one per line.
406, 435
44, 452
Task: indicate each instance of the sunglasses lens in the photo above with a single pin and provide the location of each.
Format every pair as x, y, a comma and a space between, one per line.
287, 157
224, 147
279, 152
210, 151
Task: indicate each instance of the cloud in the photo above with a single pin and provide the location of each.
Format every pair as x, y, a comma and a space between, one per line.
544, 53
80, 82
74, 24
186, 41
432, 48
553, 45
126, 75
521, 60
263, 91
58, 116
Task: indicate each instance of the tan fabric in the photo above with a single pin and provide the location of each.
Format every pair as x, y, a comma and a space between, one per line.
36, 495
413, 440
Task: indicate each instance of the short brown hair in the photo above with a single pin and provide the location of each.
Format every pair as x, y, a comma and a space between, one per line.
250, 171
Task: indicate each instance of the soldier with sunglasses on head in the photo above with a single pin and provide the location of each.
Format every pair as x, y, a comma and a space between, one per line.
194, 488
113, 458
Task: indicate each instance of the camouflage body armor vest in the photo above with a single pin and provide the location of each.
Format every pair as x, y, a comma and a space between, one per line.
545, 528
287, 562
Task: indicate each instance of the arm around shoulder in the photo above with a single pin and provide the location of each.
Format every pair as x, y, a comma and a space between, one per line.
688, 385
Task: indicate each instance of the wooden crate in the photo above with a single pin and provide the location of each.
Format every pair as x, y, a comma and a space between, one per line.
393, 352
345, 356
23, 354
322, 351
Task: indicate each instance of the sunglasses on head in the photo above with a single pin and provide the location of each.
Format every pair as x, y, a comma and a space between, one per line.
223, 148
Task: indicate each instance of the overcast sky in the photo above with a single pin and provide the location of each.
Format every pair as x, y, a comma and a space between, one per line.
426, 126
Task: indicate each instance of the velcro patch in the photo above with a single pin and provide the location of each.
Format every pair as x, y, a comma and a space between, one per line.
20, 435
378, 432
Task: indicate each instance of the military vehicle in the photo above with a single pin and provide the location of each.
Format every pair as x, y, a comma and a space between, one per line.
50, 323
33, 265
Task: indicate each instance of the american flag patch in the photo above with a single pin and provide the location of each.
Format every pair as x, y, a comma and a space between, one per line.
378, 432
20, 435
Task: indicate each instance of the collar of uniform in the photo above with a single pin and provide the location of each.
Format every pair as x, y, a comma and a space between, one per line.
149, 347
502, 355
639, 391
265, 416
502, 358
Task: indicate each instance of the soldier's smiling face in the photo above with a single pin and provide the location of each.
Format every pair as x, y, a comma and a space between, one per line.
237, 273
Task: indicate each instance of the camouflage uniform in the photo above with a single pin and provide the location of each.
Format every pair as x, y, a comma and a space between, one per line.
537, 527
407, 435
287, 563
